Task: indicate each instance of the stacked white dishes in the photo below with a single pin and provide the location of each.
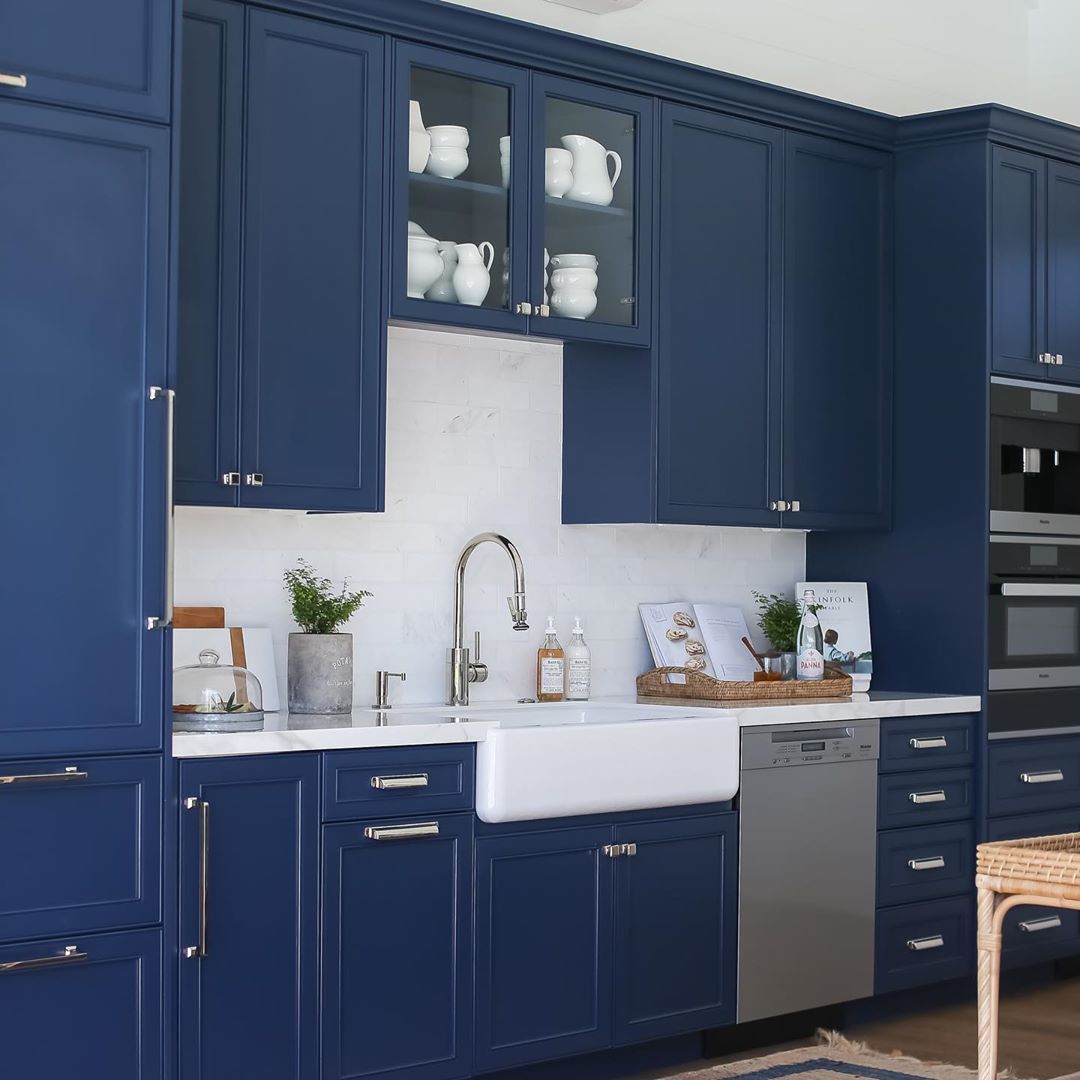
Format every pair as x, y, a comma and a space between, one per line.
573, 285
449, 155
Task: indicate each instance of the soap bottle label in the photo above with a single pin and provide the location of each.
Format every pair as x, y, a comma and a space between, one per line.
551, 675
579, 675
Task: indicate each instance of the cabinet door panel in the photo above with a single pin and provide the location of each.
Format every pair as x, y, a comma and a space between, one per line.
111, 55
396, 952
97, 1015
837, 335
543, 946
208, 359
1063, 269
249, 1007
719, 385
675, 937
1018, 253
313, 322
84, 204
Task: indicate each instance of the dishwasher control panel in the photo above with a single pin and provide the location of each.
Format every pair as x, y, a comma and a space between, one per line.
780, 747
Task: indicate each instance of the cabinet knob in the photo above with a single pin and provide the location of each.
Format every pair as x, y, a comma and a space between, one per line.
524, 308
230, 479
612, 851
1045, 358
254, 479
1059, 359
780, 504
795, 506
543, 310
629, 849
7, 79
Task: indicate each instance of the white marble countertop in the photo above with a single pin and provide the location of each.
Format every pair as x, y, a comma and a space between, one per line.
426, 725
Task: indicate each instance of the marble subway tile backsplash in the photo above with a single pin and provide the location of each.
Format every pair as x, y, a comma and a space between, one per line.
474, 429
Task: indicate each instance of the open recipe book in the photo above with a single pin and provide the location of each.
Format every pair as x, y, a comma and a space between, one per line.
701, 637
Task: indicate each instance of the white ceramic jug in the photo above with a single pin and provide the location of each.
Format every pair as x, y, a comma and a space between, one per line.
419, 140
472, 278
558, 174
592, 182
443, 289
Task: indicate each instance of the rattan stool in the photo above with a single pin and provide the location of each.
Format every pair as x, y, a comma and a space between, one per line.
1043, 870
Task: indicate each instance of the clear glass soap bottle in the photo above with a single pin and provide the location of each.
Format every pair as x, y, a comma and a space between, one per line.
550, 666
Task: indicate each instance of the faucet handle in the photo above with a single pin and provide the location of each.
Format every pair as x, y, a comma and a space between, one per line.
382, 687
478, 671
476, 647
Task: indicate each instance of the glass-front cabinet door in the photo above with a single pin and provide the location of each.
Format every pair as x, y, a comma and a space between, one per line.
460, 216
590, 251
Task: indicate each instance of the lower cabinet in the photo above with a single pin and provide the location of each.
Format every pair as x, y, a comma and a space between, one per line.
592, 936
82, 1006
396, 948
249, 881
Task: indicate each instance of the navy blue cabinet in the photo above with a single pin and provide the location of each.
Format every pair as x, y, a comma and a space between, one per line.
249, 919
543, 945
676, 898
281, 337
84, 204
396, 948
837, 436
1063, 269
82, 1006
719, 403
112, 56
208, 278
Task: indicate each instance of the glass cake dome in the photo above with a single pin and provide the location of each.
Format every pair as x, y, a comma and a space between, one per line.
212, 696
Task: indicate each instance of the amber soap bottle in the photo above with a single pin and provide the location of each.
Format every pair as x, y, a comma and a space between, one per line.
550, 666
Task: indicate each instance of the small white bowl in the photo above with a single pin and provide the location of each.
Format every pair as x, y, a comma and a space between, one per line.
574, 261
448, 161
449, 135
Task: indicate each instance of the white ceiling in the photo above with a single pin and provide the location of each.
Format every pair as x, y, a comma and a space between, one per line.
897, 56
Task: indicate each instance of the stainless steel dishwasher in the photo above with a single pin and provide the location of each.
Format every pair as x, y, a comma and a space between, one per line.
807, 866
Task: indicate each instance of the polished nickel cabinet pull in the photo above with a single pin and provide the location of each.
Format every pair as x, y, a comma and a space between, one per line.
937, 862
12, 80
935, 742
159, 622
230, 479
629, 849
612, 851
254, 479
523, 308
402, 832
199, 951
921, 944
406, 780
1045, 358
70, 773
70, 955
1034, 926
1049, 776
919, 798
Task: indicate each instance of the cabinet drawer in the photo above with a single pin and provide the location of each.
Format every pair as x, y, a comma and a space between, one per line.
924, 798
374, 783
80, 845
927, 742
1033, 774
95, 1013
924, 943
925, 863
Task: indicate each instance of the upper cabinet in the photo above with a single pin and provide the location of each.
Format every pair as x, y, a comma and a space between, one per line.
520, 201
1035, 253
281, 335
111, 56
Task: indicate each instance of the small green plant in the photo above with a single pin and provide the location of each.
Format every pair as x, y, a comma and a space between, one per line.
232, 705
779, 619
315, 606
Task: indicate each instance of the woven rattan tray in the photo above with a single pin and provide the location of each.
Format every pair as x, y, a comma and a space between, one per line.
657, 684
1050, 860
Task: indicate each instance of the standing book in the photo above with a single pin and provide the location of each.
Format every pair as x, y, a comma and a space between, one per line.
844, 614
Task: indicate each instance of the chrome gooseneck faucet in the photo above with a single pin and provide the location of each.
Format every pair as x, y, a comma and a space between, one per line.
463, 669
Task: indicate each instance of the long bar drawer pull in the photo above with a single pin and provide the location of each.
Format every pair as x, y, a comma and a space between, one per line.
921, 797
1050, 776
936, 742
193, 952
70, 773
387, 783
1033, 926
402, 832
935, 863
12, 80
71, 953
921, 944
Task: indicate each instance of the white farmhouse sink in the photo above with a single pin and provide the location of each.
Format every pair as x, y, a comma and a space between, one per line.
559, 761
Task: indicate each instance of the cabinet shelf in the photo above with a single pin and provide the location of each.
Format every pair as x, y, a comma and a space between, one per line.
442, 192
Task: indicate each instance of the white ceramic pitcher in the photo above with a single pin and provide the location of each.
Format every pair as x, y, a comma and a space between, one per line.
592, 182
472, 278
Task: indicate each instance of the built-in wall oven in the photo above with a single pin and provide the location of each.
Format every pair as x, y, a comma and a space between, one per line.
1034, 627
1034, 459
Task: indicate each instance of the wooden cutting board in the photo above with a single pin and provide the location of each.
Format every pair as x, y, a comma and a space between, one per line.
198, 618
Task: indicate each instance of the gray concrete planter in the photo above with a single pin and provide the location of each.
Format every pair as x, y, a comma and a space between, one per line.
320, 673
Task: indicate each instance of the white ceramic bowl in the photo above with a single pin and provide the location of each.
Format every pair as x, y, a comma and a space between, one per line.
574, 261
449, 135
447, 161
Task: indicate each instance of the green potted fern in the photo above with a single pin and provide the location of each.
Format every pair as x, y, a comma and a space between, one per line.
320, 677
779, 618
